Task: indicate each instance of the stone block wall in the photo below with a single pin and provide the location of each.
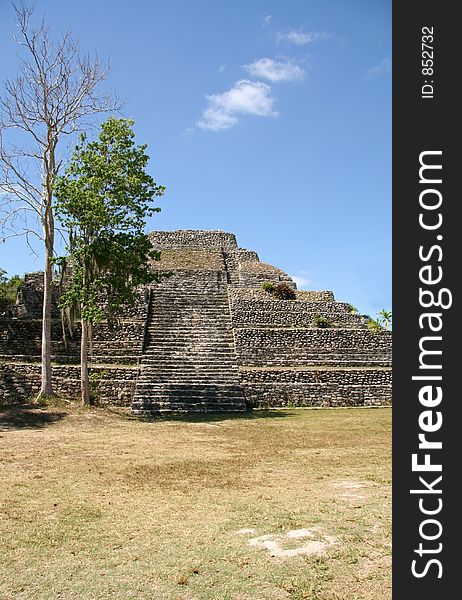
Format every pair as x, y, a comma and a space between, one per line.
257, 293
253, 273
171, 240
292, 347
278, 395
362, 376
23, 337
114, 385
233, 260
30, 296
115, 356
267, 313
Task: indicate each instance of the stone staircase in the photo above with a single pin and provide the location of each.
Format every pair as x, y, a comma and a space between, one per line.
189, 362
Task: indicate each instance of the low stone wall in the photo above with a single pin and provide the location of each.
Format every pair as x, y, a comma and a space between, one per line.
289, 347
23, 337
366, 377
248, 293
243, 255
292, 313
164, 240
21, 381
253, 273
74, 359
278, 395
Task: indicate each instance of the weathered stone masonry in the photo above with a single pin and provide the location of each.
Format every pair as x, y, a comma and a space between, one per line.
208, 339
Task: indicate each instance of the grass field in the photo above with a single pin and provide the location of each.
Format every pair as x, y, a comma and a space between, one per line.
290, 504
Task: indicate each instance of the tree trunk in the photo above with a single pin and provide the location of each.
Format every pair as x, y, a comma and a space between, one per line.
48, 225
84, 380
46, 388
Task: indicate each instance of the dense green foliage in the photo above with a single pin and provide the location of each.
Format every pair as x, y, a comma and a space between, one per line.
352, 309
282, 291
322, 322
383, 322
8, 290
268, 287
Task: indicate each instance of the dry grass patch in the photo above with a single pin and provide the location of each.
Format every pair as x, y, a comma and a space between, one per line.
97, 505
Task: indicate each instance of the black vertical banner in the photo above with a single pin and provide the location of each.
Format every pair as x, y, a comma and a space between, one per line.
427, 332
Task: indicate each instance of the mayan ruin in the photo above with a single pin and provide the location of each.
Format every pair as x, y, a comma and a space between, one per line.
208, 339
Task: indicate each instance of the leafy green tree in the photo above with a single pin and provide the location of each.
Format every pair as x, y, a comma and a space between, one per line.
104, 200
385, 318
383, 321
352, 309
8, 290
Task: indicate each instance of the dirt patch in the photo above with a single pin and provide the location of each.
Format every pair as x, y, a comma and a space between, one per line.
246, 531
276, 544
349, 489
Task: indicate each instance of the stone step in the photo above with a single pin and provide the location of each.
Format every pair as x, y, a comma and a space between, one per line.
192, 364
184, 313
177, 379
191, 304
187, 408
180, 326
324, 363
168, 379
189, 348
172, 330
189, 354
191, 329
160, 380
189, 362
181, 388
211, 376
211, 399
219, 341
181, 377
189, 351
214, 343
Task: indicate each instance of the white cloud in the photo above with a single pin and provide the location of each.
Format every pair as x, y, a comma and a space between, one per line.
301, 38
301, 280
245, 97
267, 20
382, 68
274, 71
221, 69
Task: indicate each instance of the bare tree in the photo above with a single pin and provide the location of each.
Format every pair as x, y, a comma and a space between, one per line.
54, 96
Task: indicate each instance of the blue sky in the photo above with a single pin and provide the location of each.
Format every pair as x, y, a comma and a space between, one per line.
270, 119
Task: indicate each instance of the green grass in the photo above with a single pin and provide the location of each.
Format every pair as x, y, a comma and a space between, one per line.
97, 505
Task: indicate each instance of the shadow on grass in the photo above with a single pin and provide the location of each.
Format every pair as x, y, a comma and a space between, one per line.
251, 415
27, 416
